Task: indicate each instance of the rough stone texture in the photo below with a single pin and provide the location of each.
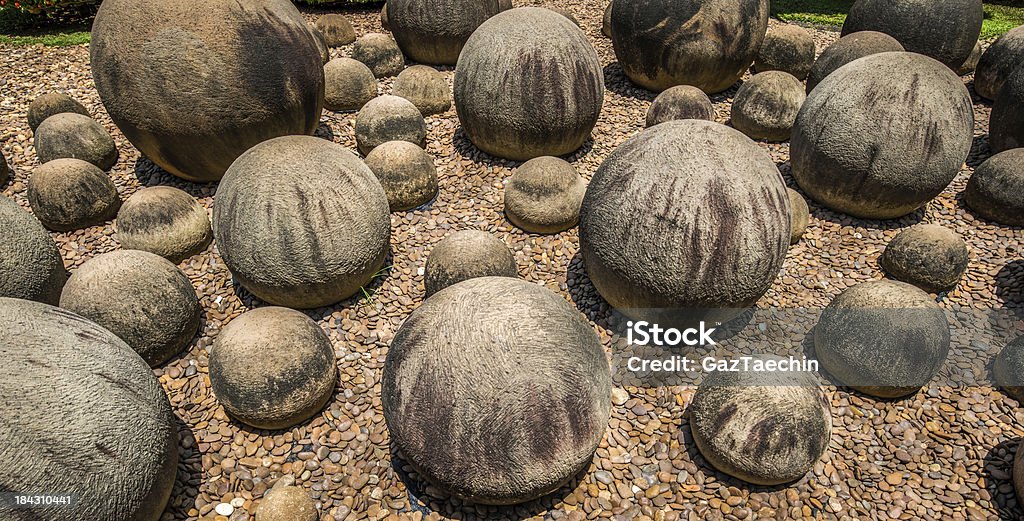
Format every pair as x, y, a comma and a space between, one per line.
998, 62
680, 102
194, 93
71, 135
115, 448
787, 48
301, 222
348, 85
286, 503
406, 172
766, 105
706, 43
606, 22
489, 359
389, 118
465, 255
929, 256
1006, 126
30, 264
434, 31
380, 53
336, 29
544, 196
272, 368
70, 194
971, 63
425, 87
840, 159
849, 48
51, 104
800, 213
321, 44
528, 84
994, 190
1008, 372
166, 221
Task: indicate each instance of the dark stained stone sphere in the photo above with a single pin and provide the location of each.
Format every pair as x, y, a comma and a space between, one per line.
1008, 370
680, 102
71, 194
997, 63
166, 221
464, 255
425, 87
51, 104
544, 196
801, 215
337, 30
71, 135
994, 190
30, 264
406, 172
787, 48
348, 85
380, 53
929, 256
434, 31
849, 48
389, 118
1006, 124
766, 105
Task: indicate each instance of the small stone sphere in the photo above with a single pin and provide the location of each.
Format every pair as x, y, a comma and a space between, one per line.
286, 503
51, 104
384, 18
406, 172
380, 53
1006, 124
336, 29
680, 102
766, 105
5, 170
348, 85
994, 190
606, 23
71, 135
465, 255
1008, 369
389, 118
425, 87
849, 48
801, 215
30, 264
71, 194
496, 358
788, 48
321, 44
929, 256
544, 196
140, 297
763, 428
971, 63
166, 221
998, 62
434, 31
566, 13
884, 338
272, 368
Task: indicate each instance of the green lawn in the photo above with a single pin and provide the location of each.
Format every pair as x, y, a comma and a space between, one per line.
59, 39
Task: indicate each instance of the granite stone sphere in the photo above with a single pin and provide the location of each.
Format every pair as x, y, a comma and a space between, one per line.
766, 105
697, 188
495, 374
425, 87
994, 190
406, 172
348, 85
51, 104
192, 92
945, 31
883, 338
998, 62
801, 216
528, 84
841, 159
971, 63
71, 194
1006, 124
115, 447
30, 264
849, 48
1008, 369
301, 222
434, 31
165, 221
465, 255
680, 102
272, 368
929, 256
389, 118
380, 53
787, 48
71, 135
705, 43
544, 196
337, 30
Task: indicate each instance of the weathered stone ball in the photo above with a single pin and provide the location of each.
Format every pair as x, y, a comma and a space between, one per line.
380, 53
336, 29
705, 43
1008, 369
321, 44
801, 216
606, 22
71, 194
384, 18
766, 105
1006, 124
884, 338
971, 63
165, 221
115, 449
680, 102
849, 48
465, 255
929, 256
425, 87
434, 31
30, 264
71, 135
998, 62
788, 48
946, 31
140, 297
51, 104
389, 118
994, 189
348, 85
840, 159
286, 503
544, 196
301, 222
528, 84
444, 411
272, 368
406, 172
193, 96
693, 186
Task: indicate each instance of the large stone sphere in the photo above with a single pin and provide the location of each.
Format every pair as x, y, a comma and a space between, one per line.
389, 118
406, 172
705, 43
680, 102
465, 255
1008, 369
998, 62
193, 93
801, 216
849, 48
165, 221
929, 256
30, 264
70, 194
528, 84
272, 368
425, 87
766, 105
71, 135
946, 31
994, 190
434, 31
348, 85
884, 338
787, 48
696, 188
1006, 124
490, 359
544, 196
83, 415
841, 159
51, 104
337, 30
301, 222
380, 53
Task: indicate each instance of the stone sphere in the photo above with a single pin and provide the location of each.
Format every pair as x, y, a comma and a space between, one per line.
70, 135
389, 118
30, 264
406, 172
465, 255
801, 216
1008, 369
606, 22
788, 48
766, 105
849, 48
544, 196
528, 84
384, 18
321, 45
998, 62
765, 429
51, 104
1018, 470
444, 409
272, 368
165, 221
971, 63
140, 297
115, 448
336, 29
425, 87
685, 186
929, 256
380, 53
566, 13
840, 159
286, 503
301, 222
884, 338
680, 102
946, 31
193, 94
434, 31
348, 85
1006, 124
705, 43
71, 194
994, 189
5, 170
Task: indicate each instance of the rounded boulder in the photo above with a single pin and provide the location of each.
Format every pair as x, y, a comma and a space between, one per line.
5, 170
680, 102
71, 194
1018, 470
165, 221
348, 85
435, 31
1008, 369
406, 172
606, 21
849, 48
321, 45
337, 30
380, 53
71, 135
389, 118
51, 104
787, 48
998, 62
31, 267
766, 105
544, 196
286, 502
1006, 123
994, 189
425, 87
801, 216
929, 256
464, 255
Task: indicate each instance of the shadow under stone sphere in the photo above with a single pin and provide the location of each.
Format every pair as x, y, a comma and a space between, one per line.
71, 194
30, 264
464, 255
348, 85
389, 118
680, 102
995, 188
193, 93
1006, 124
165, 221
544, 196
929, 256
406, 172
766, 105
114, 448
528, 84
998, 62
496, 390
434, 31
787, 48
71, 135
1008, 369
51, 104
849, 48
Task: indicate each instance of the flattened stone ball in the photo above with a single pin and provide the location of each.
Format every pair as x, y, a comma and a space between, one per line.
1006, 124
998, 62
425, 87
272, 368
884, 338
51, 104
680, 102
165, 221
801, 215
994, 190
30, 264
841, 159
1008, 369
434, 31
71, 135
766, 105
971, 63
929, 256
528, 84
348, 85
115, 448
788, 48
336, 29
849, 48
71, 194
544, 196
301, 222
389, 118
464, 255
380, 53
487, 361
406, 172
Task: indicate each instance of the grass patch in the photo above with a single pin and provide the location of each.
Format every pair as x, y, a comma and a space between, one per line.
59, 39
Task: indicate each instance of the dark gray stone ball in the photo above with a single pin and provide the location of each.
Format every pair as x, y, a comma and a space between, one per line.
166, 221
406, 172
544, 196
801, 216
788, 48
434, 31
849, 48
337, 30
994, 190
766, 105
1008, 369
929, 256
380, 53
389, 118
464, 255
680, 102
425, 87
348, 85
71, 135
30, 264
51, 104
71, 194
1006, 124
998, 62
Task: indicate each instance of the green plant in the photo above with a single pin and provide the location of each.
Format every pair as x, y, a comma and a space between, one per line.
370, 294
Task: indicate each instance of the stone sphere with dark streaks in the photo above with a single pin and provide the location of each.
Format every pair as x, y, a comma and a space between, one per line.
406, 172
71, 135
193, 93
766, 105
31, 267
425, 87
71, 194
1006, 124
166, 221
1008, 369
787, 48
492, 359
929, 256
464, 255
337, 30
51, 104
434, 31
998, 62
544, 196
849, 48
995, 188
680, 102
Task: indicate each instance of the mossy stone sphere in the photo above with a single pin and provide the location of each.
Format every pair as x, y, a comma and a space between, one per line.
425, 87
1008, 369
464, 255
348, 85
1006, 124
544, 196
435, 31
849, 48
680, 102
929, 256
71, 135
51, 104
166, 221
998, 62
406, 172
380, 53
787, 48
30, 264
337, 30
71, 194
766, 105
801, 216
389, 118
994, 190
